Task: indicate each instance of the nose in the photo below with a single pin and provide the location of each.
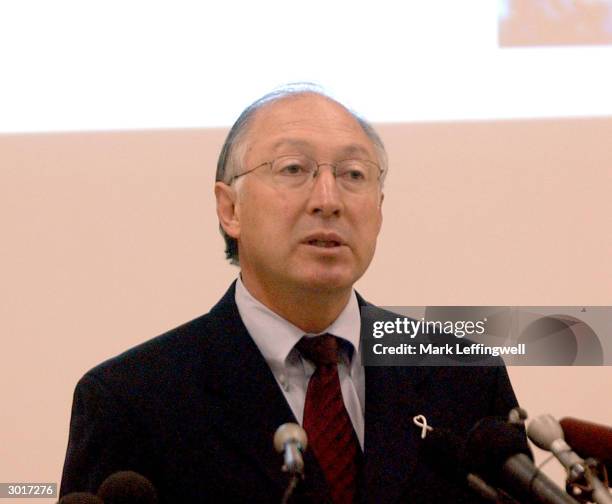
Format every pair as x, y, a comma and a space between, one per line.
325, 198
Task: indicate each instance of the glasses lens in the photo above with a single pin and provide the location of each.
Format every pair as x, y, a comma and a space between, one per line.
357, 174
292, 171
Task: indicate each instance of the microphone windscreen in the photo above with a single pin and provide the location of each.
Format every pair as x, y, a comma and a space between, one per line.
289, 432
589, 439
127, 487
491, 442
80, 498
544, 430
444, 451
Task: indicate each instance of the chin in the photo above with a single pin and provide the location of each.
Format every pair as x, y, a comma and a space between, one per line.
329, 281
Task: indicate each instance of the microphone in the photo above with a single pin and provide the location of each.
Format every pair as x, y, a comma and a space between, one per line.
80, 498
445, 451
291, 440
127, 487
498, 451
589, 439
546, 433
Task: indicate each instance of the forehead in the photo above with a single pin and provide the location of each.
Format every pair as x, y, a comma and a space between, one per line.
310, 123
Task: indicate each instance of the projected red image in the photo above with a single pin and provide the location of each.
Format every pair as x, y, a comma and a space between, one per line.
555, 22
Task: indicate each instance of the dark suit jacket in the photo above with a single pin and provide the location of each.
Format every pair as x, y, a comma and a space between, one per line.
195, 409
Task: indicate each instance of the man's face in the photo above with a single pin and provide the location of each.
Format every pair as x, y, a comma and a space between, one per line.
321, 237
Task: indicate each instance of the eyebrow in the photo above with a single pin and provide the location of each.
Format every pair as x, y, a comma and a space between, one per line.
347, 150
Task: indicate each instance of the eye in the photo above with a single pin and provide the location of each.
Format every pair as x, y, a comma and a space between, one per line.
353, 171
291, 167
355, 175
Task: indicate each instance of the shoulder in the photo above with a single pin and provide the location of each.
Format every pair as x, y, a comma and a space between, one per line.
482, 388
149, 365
172, 359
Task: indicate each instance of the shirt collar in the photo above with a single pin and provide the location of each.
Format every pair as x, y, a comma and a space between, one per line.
275, 337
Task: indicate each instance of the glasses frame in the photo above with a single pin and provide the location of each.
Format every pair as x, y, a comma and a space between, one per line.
315, 173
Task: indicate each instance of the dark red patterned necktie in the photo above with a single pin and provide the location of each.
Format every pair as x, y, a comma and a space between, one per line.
331, 436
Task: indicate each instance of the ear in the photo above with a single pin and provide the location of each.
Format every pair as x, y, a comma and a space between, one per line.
380, 218
227, 209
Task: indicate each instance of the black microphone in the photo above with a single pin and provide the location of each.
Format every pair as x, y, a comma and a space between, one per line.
127, 487
80, 498
445, 451
498, 451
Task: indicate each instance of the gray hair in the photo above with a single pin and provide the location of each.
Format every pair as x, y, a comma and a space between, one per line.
232, 153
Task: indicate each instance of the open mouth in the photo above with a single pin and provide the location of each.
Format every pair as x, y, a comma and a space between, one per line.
324, 243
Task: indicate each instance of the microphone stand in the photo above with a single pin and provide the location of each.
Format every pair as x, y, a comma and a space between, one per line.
293, 482
591, 485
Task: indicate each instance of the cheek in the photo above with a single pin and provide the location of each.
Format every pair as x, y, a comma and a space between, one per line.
367, 220
267, 214
366, 233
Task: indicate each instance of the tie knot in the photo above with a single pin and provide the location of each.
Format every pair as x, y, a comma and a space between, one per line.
320, 350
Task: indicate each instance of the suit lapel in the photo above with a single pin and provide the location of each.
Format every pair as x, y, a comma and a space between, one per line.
393, 397
391, 438
252, 405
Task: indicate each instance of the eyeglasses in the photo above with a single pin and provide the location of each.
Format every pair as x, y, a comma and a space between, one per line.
298, 171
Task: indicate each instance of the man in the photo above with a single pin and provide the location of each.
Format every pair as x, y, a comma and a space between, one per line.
299, 200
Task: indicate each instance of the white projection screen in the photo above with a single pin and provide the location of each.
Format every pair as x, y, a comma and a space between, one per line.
497, 116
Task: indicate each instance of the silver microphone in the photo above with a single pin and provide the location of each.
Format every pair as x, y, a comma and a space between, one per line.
291, 440
547, 434
583, 475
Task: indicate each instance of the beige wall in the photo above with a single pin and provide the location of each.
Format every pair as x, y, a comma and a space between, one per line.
110, 238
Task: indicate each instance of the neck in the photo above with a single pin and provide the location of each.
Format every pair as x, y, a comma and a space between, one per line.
312, 310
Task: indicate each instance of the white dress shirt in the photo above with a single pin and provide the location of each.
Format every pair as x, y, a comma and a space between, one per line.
276, 339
